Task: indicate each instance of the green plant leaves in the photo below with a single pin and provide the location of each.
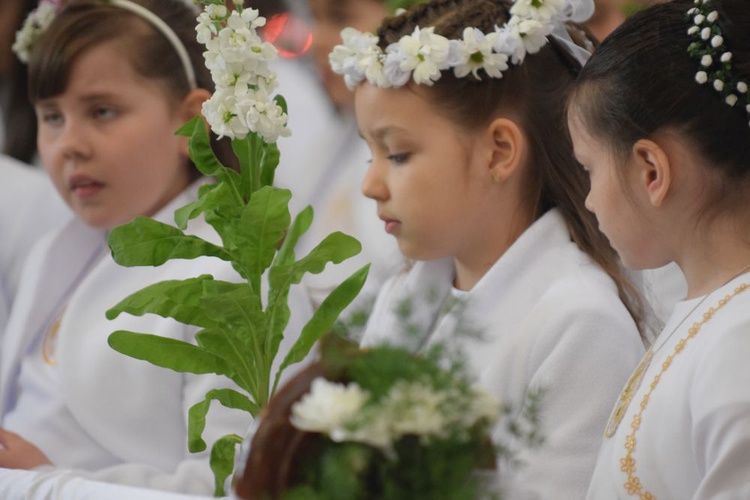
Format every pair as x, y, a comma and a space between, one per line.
147, 242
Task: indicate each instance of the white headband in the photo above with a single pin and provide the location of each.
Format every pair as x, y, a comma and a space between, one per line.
39, 20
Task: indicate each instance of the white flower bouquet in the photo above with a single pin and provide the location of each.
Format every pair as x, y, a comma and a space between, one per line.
379, 423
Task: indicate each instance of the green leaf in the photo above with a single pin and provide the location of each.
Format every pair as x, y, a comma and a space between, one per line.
268, 163
228, 398
299, 226
147, 242
336, 248
242, 362
222, 460
324, 318
259, 230
199, 148
178, 299
169, 353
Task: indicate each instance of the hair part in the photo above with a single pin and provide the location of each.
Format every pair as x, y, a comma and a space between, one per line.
533, 95
84, 24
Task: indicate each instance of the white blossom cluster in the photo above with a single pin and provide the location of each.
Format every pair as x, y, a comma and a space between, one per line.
423, 55
238, 59
35, 24
418, 409
715, 59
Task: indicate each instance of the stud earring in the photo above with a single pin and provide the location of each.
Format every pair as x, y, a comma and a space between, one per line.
495, 178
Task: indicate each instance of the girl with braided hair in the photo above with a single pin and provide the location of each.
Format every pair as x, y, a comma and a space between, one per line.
462, 103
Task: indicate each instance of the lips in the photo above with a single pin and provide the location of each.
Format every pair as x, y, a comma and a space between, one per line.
83, 186
390, 224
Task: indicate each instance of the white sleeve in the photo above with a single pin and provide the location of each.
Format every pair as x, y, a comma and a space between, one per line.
70, 485
584, 352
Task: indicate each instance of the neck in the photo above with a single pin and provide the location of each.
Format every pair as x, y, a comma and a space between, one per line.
714, 259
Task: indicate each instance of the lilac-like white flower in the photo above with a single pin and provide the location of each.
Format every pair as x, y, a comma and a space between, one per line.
533, 34
540, 10
477, 52
328, 407
221, 113
266, 118
209, 22
425, 54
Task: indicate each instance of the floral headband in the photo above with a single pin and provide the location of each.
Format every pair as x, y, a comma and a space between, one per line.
423, 55
715, 59
40, 19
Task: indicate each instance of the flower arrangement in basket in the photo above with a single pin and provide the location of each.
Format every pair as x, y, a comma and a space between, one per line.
240, 324
379, 423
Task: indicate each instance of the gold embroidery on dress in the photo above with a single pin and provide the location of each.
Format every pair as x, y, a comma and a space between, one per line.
628, 464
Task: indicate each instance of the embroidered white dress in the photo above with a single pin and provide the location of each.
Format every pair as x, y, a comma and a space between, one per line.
103, 414
693, 441
550, 319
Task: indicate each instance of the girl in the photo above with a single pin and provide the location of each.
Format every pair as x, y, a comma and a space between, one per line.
474, 175
111, 82
668, 159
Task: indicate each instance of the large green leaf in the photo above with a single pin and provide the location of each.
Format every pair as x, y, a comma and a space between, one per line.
324, 318
268, 163
336, 248
200, 146
242, 361
222, 460
178, 299
248, 151
197, 414
260, 228
147, 242
169, 353
299, 226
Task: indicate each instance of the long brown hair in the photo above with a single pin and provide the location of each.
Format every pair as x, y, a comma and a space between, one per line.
534, 93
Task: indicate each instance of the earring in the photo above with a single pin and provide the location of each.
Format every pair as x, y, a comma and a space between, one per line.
495, 178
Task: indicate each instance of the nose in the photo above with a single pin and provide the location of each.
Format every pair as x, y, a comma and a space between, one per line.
73, 141
373, 185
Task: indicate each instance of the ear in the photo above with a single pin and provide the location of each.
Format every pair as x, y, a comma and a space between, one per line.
654, 170
192, 103
507, 146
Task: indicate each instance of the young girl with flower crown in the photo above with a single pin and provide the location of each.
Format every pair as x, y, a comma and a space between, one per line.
111, 81
462, 105
668, 154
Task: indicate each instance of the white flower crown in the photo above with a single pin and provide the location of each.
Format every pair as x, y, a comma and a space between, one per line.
423, 55
715, 59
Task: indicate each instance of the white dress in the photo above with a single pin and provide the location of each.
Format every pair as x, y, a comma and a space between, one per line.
550, 319
29, 208
693, 441
113, 418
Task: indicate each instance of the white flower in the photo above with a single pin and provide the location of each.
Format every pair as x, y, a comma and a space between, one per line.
731, 99
425, 54
742, 87
698, 20
329, 406
533, 34
209, 21
416, 410
540, 10
726, 57
508, 41
717, 41
266, 118
483, 407
221, 114
359, 57
476, 52
701, 77
719, 85
707, 61
706, 33
712, 16
693, 30
34, 25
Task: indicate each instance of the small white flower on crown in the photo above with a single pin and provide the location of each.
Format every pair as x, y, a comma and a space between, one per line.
36, 23
423, 55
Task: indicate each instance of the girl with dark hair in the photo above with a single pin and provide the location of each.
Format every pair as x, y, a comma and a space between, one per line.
462, 103
660, 119
111, 82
